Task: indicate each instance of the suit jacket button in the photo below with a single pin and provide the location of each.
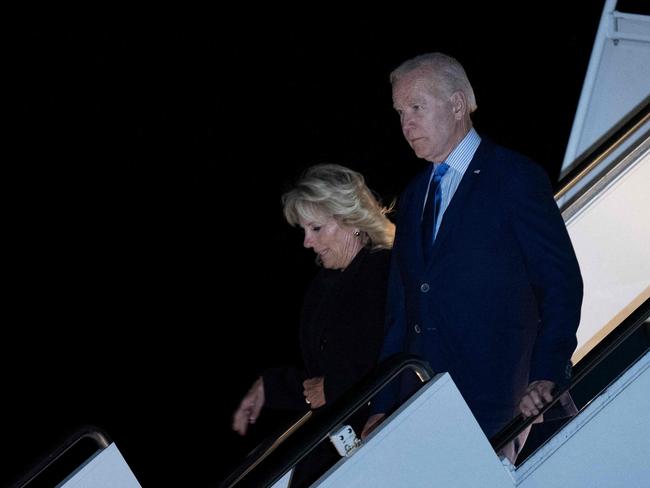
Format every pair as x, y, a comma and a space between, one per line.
424, 287
323, 343
417, 328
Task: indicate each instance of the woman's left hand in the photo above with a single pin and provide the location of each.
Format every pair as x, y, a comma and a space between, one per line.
314, 391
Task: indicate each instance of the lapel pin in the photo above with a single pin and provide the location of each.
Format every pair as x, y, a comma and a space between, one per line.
477, 171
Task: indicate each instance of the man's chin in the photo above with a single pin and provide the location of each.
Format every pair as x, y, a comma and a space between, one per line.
421, 154
419, 150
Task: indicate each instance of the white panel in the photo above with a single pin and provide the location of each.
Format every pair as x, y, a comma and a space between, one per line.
108, 469
432, 440
606, 445
621, 84
611, 237
284, 481
616, 82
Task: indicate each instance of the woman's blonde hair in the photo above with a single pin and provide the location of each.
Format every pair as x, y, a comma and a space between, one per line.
336, 191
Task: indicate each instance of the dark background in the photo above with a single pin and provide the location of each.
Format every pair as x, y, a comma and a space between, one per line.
154, 274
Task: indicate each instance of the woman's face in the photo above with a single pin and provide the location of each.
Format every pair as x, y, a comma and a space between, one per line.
335, 245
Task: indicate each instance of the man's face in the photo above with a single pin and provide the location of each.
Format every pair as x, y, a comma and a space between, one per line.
428, 122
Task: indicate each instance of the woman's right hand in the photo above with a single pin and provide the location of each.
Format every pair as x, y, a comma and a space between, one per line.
249, 408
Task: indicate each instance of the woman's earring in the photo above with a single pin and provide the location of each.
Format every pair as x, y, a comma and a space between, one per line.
357, 233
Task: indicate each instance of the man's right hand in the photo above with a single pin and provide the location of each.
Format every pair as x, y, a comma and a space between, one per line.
371, 424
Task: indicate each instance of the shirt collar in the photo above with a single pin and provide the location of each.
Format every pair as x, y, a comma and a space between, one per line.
463, 153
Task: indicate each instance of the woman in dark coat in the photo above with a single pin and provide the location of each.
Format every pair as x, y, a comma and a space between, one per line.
342, 319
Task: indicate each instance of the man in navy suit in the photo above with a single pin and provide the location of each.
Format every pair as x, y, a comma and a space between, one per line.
493, 294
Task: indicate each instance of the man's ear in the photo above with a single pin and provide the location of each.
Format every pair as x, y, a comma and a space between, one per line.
459, 104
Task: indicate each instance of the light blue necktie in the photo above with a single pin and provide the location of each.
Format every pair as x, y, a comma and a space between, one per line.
431, 209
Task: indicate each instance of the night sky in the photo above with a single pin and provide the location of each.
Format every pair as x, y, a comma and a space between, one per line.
156, 274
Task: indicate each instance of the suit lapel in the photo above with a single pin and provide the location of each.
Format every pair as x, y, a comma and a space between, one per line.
454, 211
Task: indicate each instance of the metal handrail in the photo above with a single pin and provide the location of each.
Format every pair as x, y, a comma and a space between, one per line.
604, 348
602, 150
281, 456
102, 440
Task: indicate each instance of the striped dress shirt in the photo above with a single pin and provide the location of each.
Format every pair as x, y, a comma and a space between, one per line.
458, 161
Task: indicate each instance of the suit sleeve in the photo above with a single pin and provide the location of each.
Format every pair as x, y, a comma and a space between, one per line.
552, 267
